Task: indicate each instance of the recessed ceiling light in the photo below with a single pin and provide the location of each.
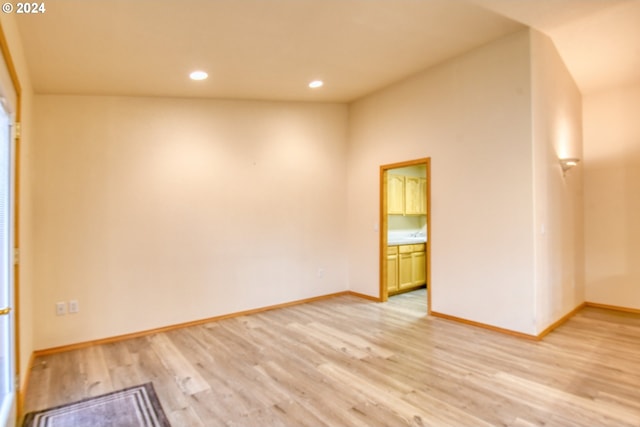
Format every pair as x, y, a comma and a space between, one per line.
198, 75
316, 84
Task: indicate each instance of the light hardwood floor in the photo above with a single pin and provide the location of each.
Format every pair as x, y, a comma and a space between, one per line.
346, 361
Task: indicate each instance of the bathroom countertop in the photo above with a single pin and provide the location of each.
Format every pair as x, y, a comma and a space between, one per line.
407, 240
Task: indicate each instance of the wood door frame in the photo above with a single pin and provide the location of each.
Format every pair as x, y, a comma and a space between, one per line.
426, 161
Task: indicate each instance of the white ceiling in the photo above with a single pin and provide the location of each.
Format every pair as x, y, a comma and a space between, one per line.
271, 49
598, 40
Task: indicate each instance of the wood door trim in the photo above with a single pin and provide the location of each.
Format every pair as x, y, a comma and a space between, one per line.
384, 225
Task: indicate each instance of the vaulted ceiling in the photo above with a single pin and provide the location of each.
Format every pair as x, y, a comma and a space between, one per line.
271, 49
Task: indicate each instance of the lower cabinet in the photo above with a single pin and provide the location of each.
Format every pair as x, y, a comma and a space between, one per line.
419, 267
392, 269
405, 278
406, 267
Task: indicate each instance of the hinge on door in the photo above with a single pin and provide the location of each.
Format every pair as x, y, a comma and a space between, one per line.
17, 383
18, 130
16, 256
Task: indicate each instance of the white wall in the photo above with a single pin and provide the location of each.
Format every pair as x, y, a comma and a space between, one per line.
406, 223
557, 132
611, 200
472, 116
153, 212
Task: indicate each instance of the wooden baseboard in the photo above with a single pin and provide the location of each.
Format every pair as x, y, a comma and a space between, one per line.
364, 296
485, 326
538, 337
561, 320
303, 301
612, 307
85, 344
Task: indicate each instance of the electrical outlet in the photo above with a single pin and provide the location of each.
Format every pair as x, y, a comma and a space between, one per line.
320, 273
73, 306
61, 309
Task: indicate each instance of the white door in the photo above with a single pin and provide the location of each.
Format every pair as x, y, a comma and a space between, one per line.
7, 341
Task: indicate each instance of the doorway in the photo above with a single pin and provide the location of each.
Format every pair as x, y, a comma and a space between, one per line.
405, 227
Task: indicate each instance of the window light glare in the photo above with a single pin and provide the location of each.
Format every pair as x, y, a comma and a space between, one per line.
198, 75
316, 84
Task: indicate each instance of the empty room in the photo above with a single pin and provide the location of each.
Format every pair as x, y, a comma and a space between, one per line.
320, 213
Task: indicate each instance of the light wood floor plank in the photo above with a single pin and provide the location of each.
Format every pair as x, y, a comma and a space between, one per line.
346, 361
97, 375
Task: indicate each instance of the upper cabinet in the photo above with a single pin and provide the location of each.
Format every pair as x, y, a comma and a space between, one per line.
395, 194
406, 195
415, 196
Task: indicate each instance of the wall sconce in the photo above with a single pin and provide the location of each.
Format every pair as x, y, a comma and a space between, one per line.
567, 164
